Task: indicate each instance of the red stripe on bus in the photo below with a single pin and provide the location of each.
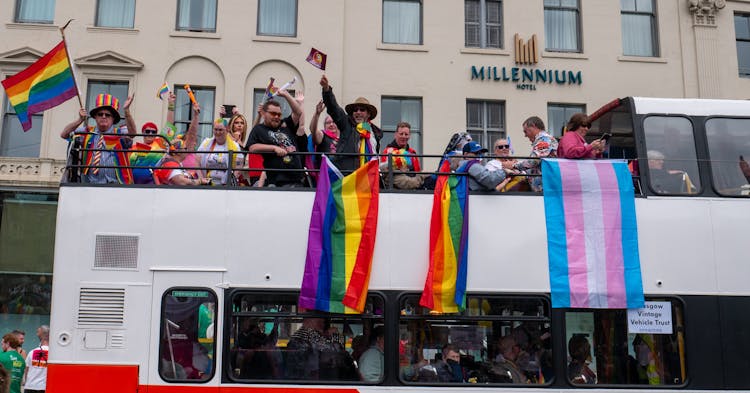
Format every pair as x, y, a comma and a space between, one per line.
96, 378
91, 378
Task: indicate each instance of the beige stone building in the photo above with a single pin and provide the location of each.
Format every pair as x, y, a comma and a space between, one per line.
442, 65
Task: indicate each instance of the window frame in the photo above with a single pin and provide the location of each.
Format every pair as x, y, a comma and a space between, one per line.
483, 25
502, 131
233, 310
194, 29
653, 15
97, 13
557, 133
676, 302
421, 22
414, 131
579, 32
406, 316
17, 16
296, 22
746, 67
714, 172
700, 189
207, 125
163, 326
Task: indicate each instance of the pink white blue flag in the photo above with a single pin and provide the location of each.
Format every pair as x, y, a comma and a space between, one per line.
592, 234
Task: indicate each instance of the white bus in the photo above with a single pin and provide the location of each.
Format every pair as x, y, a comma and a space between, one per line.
194, 289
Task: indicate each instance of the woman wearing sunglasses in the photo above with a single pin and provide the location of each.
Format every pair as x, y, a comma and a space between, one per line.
573, 145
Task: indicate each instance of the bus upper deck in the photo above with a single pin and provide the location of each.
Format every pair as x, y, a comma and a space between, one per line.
185, 289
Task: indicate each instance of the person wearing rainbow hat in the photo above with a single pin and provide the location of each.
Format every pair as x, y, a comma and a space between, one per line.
104, 158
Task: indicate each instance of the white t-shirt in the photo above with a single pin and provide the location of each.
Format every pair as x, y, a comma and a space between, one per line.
36, 366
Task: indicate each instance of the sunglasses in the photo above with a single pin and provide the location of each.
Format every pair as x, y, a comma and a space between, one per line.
502, 147
360, 109
103, 114
152, 132
274, 114
587, 125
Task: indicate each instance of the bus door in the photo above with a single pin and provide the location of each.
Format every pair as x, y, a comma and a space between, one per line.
185, 322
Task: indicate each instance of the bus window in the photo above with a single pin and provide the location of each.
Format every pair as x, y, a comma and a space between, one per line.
626, 347
496, 339
186, 351
672, 161
272, 339
729, 151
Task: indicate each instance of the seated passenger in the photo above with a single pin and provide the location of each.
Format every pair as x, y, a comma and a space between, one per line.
480, 178
573, 146
580, 355
666, 181
449, 367
172, 172
314, 356
505, 369
215, 160
511, 183
404, 160
371, 361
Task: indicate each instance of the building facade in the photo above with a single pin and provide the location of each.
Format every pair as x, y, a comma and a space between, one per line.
443, 66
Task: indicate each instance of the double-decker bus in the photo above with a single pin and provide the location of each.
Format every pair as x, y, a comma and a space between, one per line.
194, 289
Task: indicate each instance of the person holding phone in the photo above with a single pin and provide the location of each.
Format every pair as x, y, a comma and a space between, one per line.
574, 146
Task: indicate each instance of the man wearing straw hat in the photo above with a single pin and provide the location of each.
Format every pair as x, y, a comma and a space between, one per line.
357, 133
100, 165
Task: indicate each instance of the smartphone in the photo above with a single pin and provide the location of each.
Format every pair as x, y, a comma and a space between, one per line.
228, 108
605, 137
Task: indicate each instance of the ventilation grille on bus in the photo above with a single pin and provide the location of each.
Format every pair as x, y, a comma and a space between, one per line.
116, 251
117, 340
101, 306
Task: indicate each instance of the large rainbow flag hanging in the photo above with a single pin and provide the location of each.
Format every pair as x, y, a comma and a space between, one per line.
445, 286
341, 241
43, 85
592, 235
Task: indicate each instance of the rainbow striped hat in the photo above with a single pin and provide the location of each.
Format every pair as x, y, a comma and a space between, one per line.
107, 101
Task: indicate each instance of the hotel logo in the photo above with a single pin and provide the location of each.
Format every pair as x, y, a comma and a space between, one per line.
526, 52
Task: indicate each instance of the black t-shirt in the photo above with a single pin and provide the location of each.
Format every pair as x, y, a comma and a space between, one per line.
282, 136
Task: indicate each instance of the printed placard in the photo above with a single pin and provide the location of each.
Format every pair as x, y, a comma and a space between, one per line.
654, 318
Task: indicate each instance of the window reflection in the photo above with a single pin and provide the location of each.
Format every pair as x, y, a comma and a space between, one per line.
729, 151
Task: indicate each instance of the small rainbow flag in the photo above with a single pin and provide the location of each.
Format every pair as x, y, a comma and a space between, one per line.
271, 90
43, 85
341, 241
164, 89
445, 286
317, 59
592, 234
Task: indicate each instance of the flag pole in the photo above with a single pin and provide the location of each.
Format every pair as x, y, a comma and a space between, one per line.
70, 63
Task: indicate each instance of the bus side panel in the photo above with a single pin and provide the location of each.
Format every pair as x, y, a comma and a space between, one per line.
92, 378
735, 338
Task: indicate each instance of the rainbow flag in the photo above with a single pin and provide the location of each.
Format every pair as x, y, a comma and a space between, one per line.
341, 240
592, 234
445, 286
43, 85
121, 158
146, 159
164, 89
271, 90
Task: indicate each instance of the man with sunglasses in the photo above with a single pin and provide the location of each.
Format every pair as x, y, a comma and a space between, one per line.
357, 134
105, 158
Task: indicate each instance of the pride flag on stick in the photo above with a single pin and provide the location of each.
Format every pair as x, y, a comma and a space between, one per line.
445, 286
43, 85
341, 241
592, 234
164, 89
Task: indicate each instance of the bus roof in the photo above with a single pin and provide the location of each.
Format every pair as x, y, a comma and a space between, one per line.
692, 106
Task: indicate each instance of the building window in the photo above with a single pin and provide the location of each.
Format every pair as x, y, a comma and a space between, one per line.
183, 113
14, 142
115, 13
397, 109
638, 28
35, 11
483, 23
742, 32
558, 115
562, 25
118, 89
196, 15
402, 22
259, 98
277, 17
485, 121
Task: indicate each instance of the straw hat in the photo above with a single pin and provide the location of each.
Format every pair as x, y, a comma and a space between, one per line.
362, 101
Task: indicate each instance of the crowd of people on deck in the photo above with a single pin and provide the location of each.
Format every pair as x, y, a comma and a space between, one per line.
274, 153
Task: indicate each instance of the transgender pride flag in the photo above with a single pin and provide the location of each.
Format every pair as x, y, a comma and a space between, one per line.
592, 235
